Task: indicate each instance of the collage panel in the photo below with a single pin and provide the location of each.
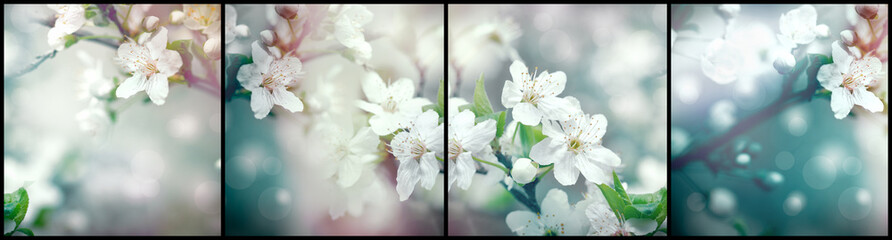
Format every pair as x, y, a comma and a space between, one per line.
334, 119
779, 119
531, 91
111, 119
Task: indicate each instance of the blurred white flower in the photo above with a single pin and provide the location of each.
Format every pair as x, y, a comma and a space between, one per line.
348, 153
70, 18
784, 63
494, 36
721, 62
177, 17
847, 37
510, 146
465, 141
268, 79
233, 30
348, 21
523, 171
94, 83
798, 26
728, 11
369, 189
535, 99
574, 146
94, 118
322, 96
847, 78
203, 17
822, 30
151, 63
393, 106
604, 222
417, 150
556, 219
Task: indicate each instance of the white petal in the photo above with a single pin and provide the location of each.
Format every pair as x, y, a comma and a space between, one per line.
158, 43
841, 58
249, 77
373, 87
261, 58
841, 102
348, 173
527, 114
511, 95
555, 202
604, 156
261, 103
131, 86
524, 223
56, 39
640, 226
407, 176
157, 88
402, 89
452, 176
464, 170
565, 171
369, 107
554, 83
590, 170
552, 129
384, 123
546, 152
462, 123
829, 76
365, 141
347, 34
287, 100
555, 108
426, 122
429, 170
518, 71
412, 107
867, 100
170, 62
480, 136
434, 141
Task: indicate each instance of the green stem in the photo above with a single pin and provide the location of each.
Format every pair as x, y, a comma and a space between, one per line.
492, 164
99, 36
438, 158
550, 167
127, 18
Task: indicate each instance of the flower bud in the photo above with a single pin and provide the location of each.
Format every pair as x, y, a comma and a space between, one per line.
822, 30
177, 17
728, 11
212, 48
150, 23
867, 11
784, 63
241, 30
287, 11
269, 37
524, 171
848, 37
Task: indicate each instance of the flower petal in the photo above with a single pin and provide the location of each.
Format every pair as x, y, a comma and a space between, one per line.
554, 83
369, 107
527, 114
841, 102
480, 136
565, 171
348, 173
426, 122
131, 86
157, 87
401, 90
429, 170
546, 152
249, 77
385, 123
261, 103
511, 94
365, 141
158, 44
261, 58
461, 124
555, 108
841, 58
374, 87
519, 72
829, 76
867, 100
590, 170
464, 170
604, 156
524, 223
169, 62
555, 202
287, 100
640, 226
407, 175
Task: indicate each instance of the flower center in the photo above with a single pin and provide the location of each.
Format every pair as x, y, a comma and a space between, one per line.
149, 66
390, 105
417, 148
454, 149
575, 145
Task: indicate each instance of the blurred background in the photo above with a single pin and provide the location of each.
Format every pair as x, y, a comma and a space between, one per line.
800, 172
615, 60
155, 170
271, 185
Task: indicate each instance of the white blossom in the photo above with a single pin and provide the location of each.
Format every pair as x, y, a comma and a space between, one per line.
151, 63
232, 29
523, 171
604, 222
93, 119
574, 146
534, 99
69, 19
417, 150
556, 219
268, 79
393, 106
467, 140
848, 78
348, 29
798, 26
348, 153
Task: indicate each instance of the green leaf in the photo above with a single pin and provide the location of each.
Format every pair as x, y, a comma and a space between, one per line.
632, 212
618, 186
89, 14
15, 205
43, 217
233, 63
70, 40
529, 137
481, 105
25, 231
441, 96
613, 200
500, 124
740, 226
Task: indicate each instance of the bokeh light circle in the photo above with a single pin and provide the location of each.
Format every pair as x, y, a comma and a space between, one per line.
274, 203
855, 203
819, 172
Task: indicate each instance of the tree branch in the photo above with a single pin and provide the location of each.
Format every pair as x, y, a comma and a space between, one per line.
37, 61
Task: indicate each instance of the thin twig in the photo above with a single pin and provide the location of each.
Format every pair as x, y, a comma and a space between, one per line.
37, 61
